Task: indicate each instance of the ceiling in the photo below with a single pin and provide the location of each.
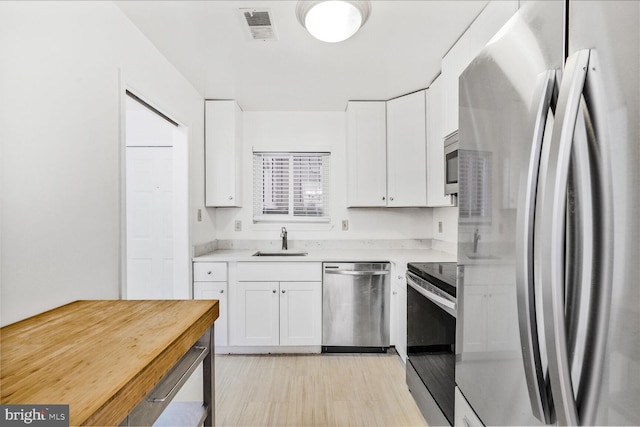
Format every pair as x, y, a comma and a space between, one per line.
397, 51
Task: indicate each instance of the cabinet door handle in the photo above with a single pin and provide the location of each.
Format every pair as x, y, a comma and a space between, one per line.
384, 198
283, 291
209, 272
230, 197
391, 198
222, 291
274, 291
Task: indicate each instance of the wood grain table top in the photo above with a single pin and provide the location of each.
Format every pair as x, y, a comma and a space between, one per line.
99, 357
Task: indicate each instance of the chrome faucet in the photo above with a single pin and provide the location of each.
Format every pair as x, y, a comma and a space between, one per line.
476, 237
284, 239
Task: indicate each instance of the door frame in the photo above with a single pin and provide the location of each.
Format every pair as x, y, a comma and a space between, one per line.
182, 237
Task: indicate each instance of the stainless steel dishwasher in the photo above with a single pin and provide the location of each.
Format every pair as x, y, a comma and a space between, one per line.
355, 307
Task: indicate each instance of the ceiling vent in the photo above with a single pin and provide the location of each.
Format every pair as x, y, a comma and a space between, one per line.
260, 24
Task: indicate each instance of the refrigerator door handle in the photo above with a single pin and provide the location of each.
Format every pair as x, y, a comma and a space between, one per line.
530, 342
597, 224
553, 237
578, 94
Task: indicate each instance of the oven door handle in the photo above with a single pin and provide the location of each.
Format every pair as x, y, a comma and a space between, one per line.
443, 303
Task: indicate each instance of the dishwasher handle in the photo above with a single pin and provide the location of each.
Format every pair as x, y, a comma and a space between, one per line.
359, 273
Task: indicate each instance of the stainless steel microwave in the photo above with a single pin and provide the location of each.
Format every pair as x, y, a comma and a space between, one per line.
451, 164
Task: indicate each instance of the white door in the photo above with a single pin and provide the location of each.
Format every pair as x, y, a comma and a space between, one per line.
157, 256
300, 313
149, 222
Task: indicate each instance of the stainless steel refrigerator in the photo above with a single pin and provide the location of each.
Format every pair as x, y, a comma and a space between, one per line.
548, 327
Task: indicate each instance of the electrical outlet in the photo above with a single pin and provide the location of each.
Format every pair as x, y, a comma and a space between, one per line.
439, 226
237, 225
199, 215
345, 224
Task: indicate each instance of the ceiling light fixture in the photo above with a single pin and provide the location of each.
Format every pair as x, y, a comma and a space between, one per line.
333, 21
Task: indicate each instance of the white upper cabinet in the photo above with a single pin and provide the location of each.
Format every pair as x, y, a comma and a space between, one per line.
223, 153
406, 151
454, 62
435, 146
486, 25
366, 154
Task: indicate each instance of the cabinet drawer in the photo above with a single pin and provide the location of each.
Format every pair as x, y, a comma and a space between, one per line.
209, 271
280, 271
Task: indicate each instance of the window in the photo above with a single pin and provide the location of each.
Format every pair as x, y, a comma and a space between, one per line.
291, 187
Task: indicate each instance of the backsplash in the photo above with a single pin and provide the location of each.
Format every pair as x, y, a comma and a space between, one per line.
325, 244
204, 248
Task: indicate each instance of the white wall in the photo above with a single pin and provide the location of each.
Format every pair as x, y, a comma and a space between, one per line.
324, 130
449, 219
65, 66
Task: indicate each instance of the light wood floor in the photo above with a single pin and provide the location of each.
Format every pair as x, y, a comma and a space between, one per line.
313, 390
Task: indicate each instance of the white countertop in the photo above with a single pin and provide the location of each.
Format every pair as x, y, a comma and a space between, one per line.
398, 256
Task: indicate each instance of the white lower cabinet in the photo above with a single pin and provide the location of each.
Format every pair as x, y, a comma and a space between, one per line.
210, 282
276, 304
276, 313
215, 290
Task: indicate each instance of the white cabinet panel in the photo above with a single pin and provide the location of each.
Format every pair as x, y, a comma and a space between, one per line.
223, 153
454, 62
300, 313
218, 291
406, 151
435, 146
401, 340
255, 311
366, 154
486, 25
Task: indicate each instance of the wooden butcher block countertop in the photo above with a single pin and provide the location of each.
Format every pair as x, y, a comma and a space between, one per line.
99, 357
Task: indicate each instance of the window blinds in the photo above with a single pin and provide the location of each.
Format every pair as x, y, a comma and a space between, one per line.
291, 186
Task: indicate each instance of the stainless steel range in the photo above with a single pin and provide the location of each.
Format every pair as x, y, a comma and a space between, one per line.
431, 335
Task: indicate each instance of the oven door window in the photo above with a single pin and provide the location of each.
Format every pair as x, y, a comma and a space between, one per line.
431, 334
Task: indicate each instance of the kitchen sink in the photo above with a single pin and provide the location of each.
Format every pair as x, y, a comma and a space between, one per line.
280, 253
